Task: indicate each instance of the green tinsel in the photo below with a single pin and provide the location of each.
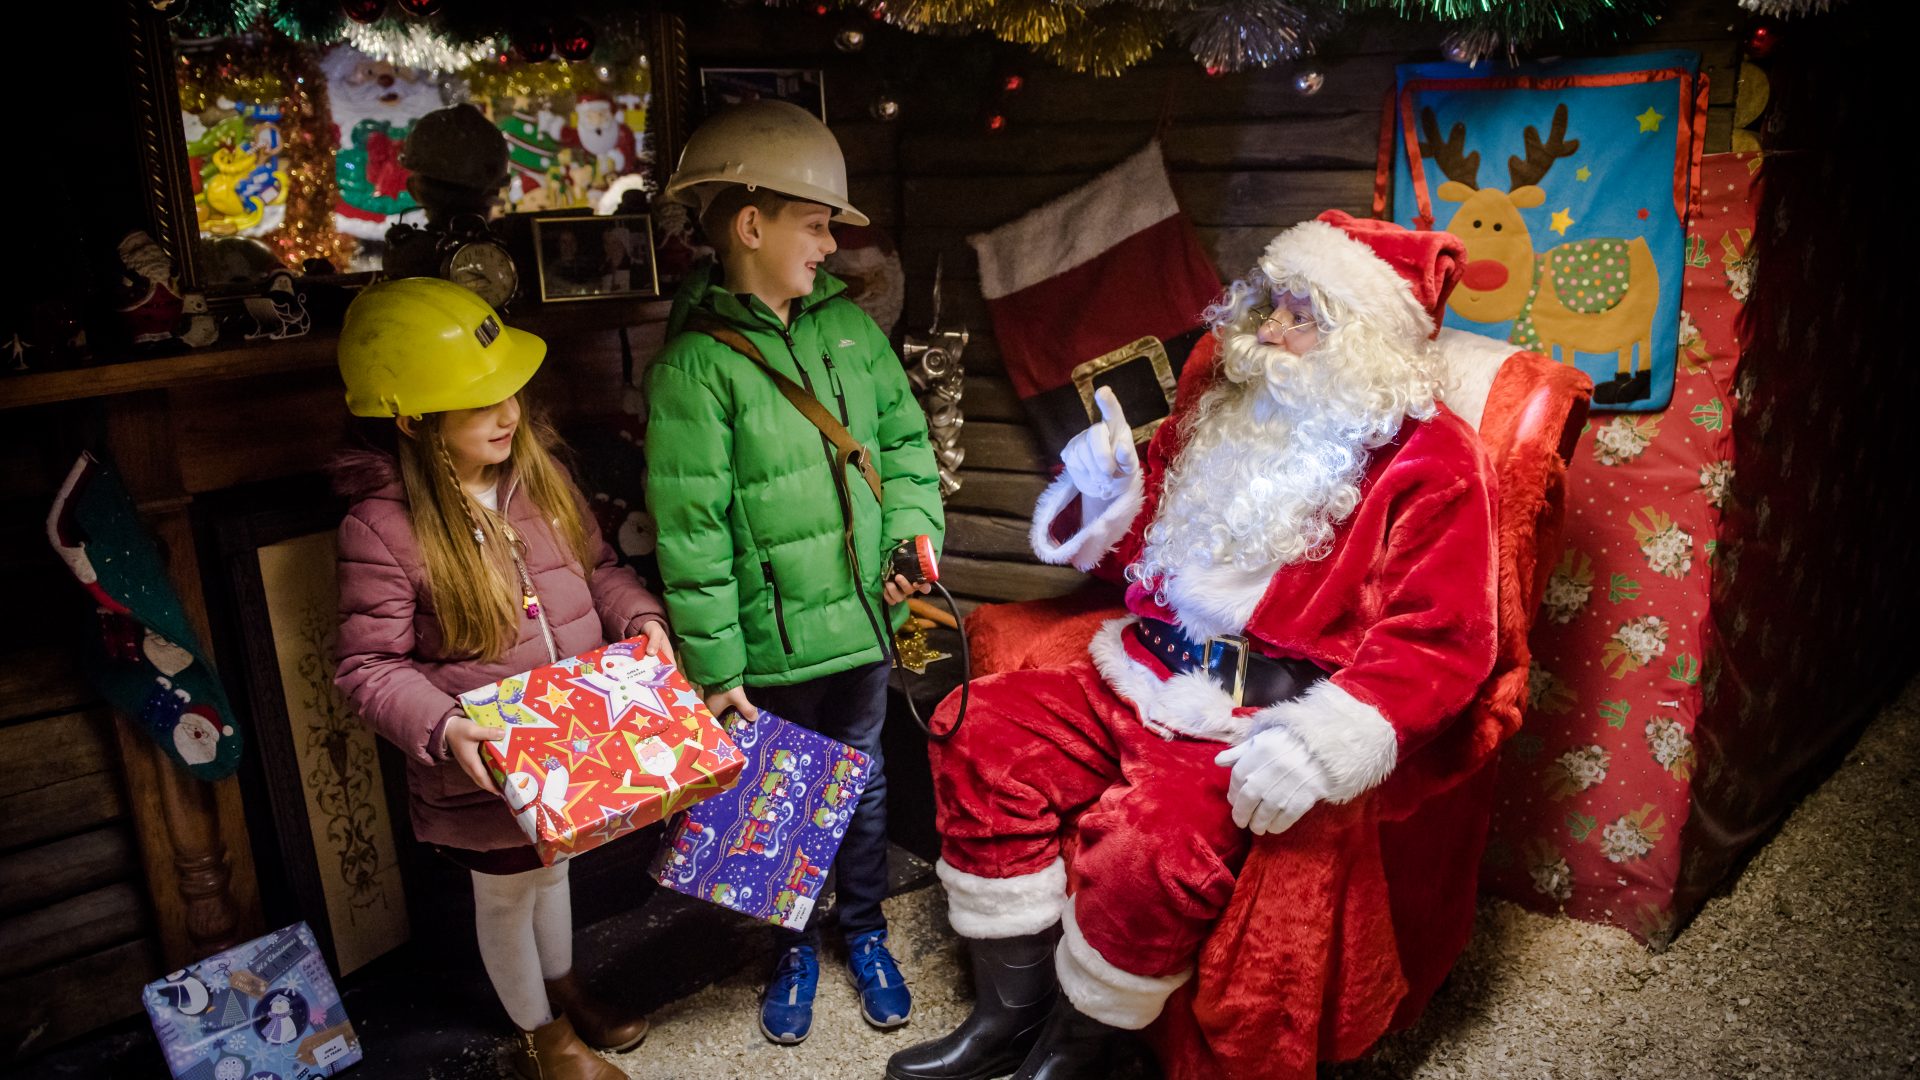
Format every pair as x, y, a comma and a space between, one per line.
1521, 24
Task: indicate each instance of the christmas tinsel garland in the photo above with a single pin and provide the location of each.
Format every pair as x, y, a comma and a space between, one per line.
1102, 37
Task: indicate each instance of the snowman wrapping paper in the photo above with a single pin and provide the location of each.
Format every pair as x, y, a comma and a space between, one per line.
763, 848
265, 1010
599, 745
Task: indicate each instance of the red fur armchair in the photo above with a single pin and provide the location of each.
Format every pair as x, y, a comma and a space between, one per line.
1341, 928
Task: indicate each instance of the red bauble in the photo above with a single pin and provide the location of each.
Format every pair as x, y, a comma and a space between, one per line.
1761, 42
534, 43
576, 43
1012, 84
419, 9
996, 122
363, 11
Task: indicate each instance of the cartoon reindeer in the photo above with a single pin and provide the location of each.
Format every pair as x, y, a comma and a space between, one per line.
1596, 295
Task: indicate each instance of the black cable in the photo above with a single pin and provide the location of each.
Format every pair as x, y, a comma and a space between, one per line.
966, 670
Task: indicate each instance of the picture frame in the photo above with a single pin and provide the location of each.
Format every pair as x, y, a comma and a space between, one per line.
597, 257
724, 86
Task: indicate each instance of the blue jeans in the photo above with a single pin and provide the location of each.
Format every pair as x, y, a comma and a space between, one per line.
851, 707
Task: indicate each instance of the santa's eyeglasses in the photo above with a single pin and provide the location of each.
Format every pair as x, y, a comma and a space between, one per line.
1283, 320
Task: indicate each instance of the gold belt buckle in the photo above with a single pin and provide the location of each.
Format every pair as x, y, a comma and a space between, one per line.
1216, 652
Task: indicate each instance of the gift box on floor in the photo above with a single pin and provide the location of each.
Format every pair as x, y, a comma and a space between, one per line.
599, 745
763, 848
266, 1008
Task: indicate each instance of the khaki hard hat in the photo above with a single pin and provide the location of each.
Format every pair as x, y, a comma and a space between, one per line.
422, 345
768, 144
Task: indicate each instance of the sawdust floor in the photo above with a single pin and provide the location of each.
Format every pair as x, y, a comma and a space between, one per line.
1805, 968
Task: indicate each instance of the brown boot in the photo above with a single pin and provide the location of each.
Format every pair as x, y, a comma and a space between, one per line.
599, 1027
553, 1052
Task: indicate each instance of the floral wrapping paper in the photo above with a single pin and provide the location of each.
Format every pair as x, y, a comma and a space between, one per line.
599, 745
1596, 786
764, 847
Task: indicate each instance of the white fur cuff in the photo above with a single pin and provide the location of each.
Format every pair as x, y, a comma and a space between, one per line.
1114, 997
1084, 549
1189, 704
1349, 738
984, 907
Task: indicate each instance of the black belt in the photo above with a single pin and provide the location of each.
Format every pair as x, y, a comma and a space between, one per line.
1247, 676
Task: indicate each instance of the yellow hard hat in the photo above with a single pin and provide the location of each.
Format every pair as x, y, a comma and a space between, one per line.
768, 144
422, 345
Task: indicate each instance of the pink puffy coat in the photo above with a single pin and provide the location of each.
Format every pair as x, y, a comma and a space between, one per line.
390, 662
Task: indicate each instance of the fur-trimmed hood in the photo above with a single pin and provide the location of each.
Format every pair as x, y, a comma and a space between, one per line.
366, 474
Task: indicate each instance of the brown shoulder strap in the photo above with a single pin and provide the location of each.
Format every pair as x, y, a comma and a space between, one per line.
847, 451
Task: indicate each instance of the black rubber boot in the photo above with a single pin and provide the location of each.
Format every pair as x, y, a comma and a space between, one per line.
1014, 990
1073, 1046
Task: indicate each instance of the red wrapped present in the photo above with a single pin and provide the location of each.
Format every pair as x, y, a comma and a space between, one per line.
599, 745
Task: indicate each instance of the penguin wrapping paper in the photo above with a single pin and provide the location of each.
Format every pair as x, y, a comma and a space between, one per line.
599, 745
265, 1008
763, 848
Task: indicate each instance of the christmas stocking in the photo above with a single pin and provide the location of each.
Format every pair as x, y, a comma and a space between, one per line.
150, 666
1092, 272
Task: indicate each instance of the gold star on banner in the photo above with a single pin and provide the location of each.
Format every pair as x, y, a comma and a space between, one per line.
1584, 174
1562, 219
556, 698
1649, 120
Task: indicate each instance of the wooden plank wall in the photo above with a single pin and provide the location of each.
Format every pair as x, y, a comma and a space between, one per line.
77, 936
1248, 157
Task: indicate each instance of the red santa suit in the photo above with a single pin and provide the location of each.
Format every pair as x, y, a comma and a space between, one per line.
1111, 759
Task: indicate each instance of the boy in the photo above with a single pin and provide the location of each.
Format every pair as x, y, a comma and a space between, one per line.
777, 606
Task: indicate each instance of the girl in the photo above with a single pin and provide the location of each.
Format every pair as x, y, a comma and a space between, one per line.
468, 556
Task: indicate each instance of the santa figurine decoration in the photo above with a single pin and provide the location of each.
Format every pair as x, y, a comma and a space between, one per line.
1308, 548
599, 130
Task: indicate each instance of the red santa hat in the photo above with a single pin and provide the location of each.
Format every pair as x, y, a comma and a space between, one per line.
1376, 270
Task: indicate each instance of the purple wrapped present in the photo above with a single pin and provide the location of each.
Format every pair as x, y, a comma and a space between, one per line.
763, 847
266, 1008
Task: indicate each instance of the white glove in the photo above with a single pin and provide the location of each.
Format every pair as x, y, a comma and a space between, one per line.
1101, 460
1275, 780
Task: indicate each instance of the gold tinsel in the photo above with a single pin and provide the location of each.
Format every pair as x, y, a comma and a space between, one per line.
547, 80
308, 144
205, 77
1029, 22
928, 14
1107, 44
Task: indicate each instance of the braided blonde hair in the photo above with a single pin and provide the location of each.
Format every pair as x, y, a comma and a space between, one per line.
471, 579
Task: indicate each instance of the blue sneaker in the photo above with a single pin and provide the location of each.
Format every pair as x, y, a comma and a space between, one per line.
884, 999
786, 1009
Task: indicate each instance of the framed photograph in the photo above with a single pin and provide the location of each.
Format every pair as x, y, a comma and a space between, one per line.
591, 258
805, 87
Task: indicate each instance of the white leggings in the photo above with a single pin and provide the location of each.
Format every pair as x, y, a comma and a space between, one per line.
525, 924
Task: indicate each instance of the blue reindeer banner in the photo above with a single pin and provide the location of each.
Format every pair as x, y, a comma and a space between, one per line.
1576, 247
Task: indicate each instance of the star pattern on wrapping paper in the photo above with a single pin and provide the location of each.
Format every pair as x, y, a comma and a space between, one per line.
556, 698
1650, 120
613, 822
620, 696
1562, 220
687, 699
581, 744
570, 665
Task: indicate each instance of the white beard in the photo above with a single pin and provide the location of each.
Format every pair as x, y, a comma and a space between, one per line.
1273, 461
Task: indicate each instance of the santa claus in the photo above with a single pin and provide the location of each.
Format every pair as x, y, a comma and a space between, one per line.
1309, 553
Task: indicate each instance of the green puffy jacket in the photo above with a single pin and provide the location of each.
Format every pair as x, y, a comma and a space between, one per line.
751, 544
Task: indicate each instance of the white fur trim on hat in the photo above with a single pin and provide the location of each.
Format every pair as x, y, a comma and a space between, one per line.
1084, 549
1324, 257
1353, 743
1189, 704
1107, 993
984, 907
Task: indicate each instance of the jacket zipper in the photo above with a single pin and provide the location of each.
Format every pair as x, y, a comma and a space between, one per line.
834, 376
779, 609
